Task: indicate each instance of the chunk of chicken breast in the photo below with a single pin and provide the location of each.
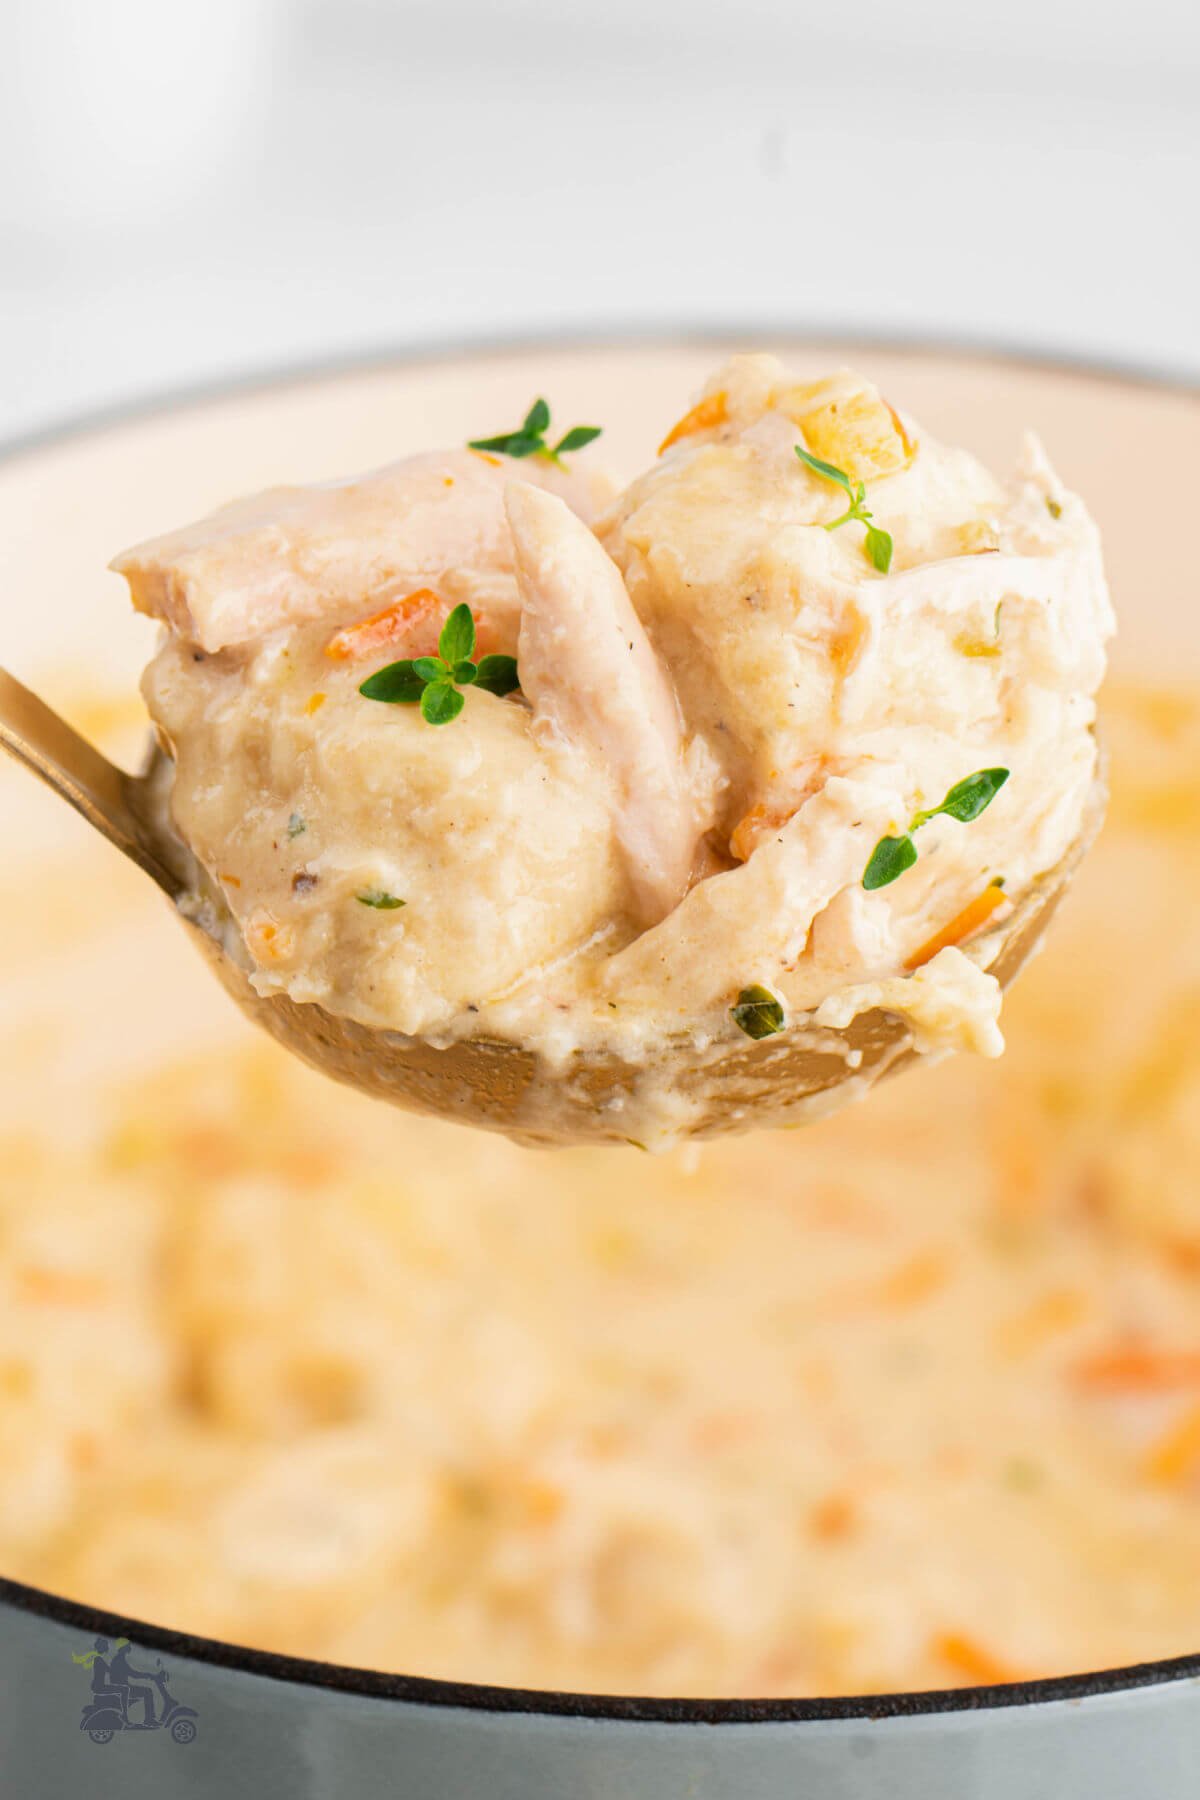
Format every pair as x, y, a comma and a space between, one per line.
752, 923
342, 549
593, 680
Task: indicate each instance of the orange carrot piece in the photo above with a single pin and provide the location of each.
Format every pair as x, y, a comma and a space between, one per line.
1139, 1369
1046, 1318
976, 913
803, 781
833, 1518
758, 823
1176, 1455
910, 444
915, 1281
46, 1286
543, 1501
968, 1657
385, 627
267, 940
706, 415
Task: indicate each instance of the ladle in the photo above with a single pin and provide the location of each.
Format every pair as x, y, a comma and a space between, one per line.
778, 1080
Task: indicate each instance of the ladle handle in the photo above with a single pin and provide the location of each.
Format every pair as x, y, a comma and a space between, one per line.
111, 801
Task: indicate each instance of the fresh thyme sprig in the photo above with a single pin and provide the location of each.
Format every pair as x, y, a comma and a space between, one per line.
965, 801
878, 543
758, 1013
435, 683
530, 438
380, 899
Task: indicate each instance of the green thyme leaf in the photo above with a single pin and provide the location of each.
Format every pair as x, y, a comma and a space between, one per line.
965, 801
296, 825
879, 548
1053, 508
758, 1013
458, 636
537, 419
436, 681
968, 797
397, 685
576, 438
498, 675
380, 899
828, 471
530, 439
888, 861
509, 443
877, 545
440, 703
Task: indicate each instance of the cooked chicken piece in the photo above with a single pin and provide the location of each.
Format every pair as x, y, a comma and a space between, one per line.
345, 549
745, 925
594, 681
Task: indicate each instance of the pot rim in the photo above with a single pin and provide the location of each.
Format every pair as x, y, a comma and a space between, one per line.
629, 334
420, 1690
424, 1690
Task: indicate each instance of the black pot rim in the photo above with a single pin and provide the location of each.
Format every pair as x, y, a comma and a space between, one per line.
422, 1690
418, 1690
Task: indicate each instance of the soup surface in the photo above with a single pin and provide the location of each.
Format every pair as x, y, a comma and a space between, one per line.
909, 1398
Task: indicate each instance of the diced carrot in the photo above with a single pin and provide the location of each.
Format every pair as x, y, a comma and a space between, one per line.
848, 645
1139, 1369
1182, 1253
910, 443
968, 1657
802, 783
1176, 1455
394, 622
543, 1501
913, 1281
45, 1286
963, 925
752, 827
267, 940
706, 415
83, 1450
833, 1518
1048, 1316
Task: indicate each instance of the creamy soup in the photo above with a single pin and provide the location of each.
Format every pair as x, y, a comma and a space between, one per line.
909, 1398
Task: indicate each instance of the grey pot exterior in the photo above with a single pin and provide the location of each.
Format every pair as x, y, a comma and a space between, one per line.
263, 1725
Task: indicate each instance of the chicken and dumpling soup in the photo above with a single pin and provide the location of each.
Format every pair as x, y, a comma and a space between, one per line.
909, 1398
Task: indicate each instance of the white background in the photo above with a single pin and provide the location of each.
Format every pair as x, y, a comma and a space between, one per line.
194, 191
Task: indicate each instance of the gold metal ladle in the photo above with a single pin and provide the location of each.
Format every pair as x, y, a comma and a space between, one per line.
779, 1080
